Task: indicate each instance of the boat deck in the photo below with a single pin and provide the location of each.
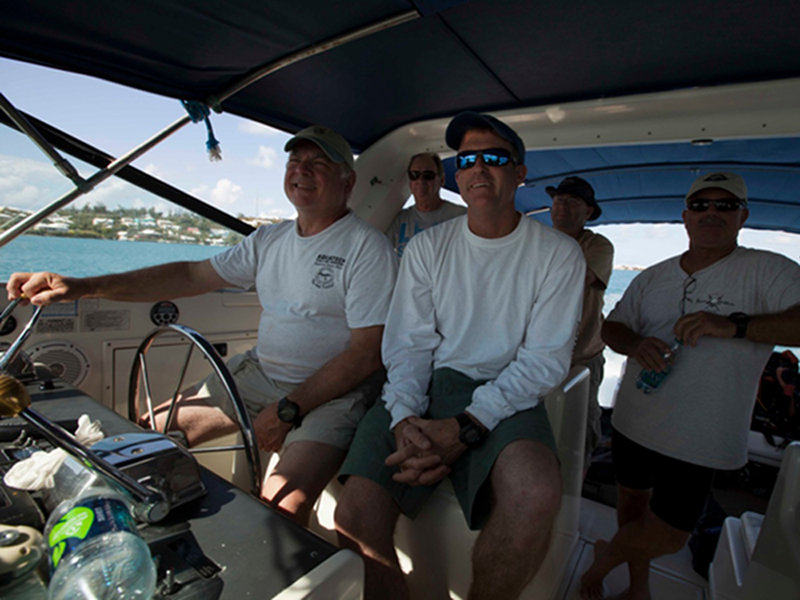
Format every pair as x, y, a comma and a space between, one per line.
672, 577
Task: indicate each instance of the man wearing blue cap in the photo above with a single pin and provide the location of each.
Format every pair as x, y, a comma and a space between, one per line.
481, 326
324, 281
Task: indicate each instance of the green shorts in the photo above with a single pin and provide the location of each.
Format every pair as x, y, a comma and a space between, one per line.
450, 393
332, 423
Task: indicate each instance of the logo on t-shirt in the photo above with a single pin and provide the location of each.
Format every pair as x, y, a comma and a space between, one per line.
714, 302
324, 277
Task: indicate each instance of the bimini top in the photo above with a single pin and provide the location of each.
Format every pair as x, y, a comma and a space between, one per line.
366, 68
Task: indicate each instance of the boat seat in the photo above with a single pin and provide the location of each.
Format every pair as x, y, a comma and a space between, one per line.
435, 548
759, 556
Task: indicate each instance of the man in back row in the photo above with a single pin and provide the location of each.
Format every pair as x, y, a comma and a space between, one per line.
324, 281
728, 305
573, 205
481, 327
425, 178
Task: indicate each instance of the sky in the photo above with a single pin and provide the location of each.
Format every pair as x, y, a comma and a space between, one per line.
247, 181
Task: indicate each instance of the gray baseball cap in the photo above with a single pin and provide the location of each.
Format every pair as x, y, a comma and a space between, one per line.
331, 143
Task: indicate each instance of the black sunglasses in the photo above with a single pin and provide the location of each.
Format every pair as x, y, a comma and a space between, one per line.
492, 157
723, 205
424, 175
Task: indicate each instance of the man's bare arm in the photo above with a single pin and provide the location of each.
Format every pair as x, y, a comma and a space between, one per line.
343, 372
334, 379
781, 328
170, 280
649, 352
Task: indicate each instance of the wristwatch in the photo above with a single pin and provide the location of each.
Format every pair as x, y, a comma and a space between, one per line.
471, 434
741, 320
289, 412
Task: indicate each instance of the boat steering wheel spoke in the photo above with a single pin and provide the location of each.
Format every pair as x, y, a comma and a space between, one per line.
140, 378
14, 348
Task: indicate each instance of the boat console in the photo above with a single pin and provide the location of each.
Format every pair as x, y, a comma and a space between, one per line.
216, 541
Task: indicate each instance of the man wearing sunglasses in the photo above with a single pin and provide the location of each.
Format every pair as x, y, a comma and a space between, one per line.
728, 306
573, 205
425, 179
481, 326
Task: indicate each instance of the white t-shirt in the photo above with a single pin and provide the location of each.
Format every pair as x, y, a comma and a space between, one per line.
313, 290
411, 221
503, 309
701, 412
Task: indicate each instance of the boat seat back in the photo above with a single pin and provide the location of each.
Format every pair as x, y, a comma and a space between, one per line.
774, 570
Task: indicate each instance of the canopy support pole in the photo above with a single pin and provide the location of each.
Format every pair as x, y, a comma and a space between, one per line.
89, 184
85, 186
61, 163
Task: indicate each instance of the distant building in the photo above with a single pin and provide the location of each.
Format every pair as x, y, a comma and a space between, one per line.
59, 227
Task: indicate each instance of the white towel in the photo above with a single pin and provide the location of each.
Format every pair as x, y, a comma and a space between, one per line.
37, 471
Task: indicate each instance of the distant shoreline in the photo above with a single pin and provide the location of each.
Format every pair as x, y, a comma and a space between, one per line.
628, 268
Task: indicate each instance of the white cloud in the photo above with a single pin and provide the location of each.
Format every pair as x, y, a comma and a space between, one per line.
152, 169
265, 157
29, 184
253, 128
225, 193
275, 208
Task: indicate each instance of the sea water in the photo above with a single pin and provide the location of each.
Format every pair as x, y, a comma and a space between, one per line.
79, 257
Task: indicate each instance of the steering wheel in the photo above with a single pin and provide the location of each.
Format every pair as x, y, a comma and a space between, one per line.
139, 374
12, 351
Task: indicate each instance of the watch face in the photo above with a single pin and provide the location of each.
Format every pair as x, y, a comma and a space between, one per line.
471, 436
287, 411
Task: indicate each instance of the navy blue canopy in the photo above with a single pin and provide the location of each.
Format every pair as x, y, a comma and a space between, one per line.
648, 183
444, 57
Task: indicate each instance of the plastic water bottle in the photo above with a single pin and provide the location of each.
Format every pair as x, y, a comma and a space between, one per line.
96, 551
649, 380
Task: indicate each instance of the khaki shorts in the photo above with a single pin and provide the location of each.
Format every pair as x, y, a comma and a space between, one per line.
332, 423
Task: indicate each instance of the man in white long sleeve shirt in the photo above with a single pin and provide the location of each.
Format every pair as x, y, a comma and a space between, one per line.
481, 325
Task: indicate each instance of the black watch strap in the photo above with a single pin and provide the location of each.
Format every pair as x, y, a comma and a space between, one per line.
471, 434
741, 320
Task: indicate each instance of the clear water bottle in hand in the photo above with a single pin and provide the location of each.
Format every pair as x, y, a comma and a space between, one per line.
96, 551
649, 380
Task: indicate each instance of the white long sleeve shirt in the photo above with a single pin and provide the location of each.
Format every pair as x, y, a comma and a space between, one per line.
504, 309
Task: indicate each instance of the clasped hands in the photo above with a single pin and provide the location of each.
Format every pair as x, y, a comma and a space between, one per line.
425, 450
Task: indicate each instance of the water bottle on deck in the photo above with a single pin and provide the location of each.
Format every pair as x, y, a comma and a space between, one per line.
649, 380
95, 549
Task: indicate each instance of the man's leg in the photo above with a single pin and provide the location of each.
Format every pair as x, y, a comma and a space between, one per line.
526, 489
639, 540
651, 524
366, 516
302, 472
198, 420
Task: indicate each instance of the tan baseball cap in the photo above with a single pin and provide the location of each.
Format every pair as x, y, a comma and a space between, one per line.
730, 182
331, 143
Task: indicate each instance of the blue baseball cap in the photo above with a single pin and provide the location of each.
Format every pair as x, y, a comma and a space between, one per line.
467, 120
